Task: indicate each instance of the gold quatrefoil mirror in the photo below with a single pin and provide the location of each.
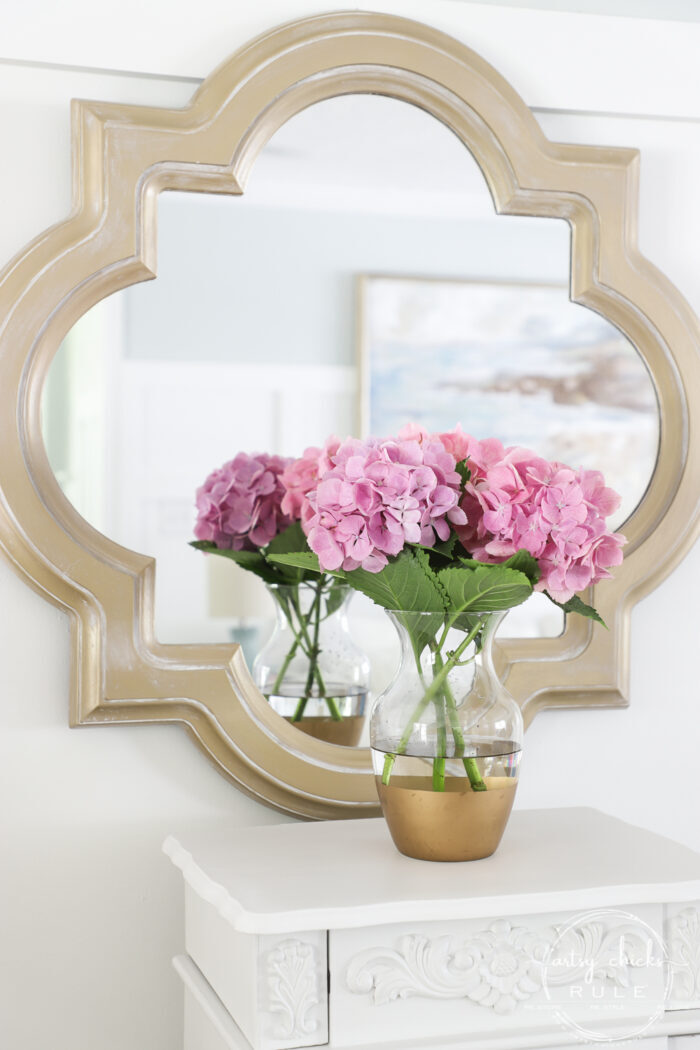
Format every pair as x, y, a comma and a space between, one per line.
349, 197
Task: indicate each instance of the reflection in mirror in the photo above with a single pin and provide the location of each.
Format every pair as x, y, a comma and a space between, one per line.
254, 337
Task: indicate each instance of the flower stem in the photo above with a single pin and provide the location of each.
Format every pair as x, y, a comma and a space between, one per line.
279, 680
282, 602
283, 669
388, 766
439, 760
435, 689
330, 700
332, 705
470, 764
299, 709
456, 728
311, 649
475, 778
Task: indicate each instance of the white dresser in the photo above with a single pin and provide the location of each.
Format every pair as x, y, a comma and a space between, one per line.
581, 928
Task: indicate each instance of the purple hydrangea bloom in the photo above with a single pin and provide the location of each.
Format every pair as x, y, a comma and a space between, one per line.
239, 505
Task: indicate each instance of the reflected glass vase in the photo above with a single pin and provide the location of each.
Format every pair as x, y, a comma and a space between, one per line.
446, 740
310, 671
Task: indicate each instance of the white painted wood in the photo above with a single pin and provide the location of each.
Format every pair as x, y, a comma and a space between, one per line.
275, 986
208, 1024
207, 1019
549, 860
293, 991
579, 920
592, 62
682, 937
227, 959
485, 977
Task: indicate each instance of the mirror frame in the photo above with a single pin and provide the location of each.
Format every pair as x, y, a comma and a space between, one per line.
123, 157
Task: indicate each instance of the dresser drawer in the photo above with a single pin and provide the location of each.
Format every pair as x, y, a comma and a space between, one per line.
469, 983
208, 1026
488, 981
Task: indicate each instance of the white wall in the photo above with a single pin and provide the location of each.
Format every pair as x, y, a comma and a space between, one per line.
683, 10
89, 910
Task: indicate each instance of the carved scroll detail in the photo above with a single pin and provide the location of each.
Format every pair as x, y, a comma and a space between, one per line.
292, 977
499, 967
683, 936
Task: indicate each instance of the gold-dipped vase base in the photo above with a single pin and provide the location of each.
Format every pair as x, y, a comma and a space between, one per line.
452, 825
347, 732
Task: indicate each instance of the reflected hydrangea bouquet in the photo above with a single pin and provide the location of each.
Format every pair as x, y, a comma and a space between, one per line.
239, 506
418, 522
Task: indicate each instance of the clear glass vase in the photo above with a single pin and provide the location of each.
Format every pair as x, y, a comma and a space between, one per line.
446, 739
310, 670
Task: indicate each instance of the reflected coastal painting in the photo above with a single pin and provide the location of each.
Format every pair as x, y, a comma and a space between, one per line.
516, 361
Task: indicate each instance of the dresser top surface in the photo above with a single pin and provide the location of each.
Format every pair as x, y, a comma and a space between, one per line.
347, 873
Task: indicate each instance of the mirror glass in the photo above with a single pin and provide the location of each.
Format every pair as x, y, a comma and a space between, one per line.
362, 281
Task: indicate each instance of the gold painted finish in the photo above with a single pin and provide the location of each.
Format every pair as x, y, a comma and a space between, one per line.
347, 732
124, 156
451, 825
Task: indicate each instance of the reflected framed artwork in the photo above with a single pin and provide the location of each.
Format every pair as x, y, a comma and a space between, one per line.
513, 360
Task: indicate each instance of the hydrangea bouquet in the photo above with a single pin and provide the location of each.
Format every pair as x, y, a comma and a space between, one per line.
420, 523
403, 509
249, 511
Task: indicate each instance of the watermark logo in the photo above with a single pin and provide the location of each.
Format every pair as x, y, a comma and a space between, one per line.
605, 975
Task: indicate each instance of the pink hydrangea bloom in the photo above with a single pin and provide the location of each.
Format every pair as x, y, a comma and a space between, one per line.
515, 499
298, 478
375, 496
457, 442
239, 505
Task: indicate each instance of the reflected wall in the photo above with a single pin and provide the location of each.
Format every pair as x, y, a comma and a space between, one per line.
253, 337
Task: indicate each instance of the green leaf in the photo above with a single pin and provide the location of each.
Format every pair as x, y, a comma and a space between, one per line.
576, 605
291, 540
466, 622
299, 559
422, 556
423, 625
443, 548
471, 563
422, 628
487, 588
207, 546
464, 472
402, 584
524, 562
288, 542
335, 596
252, 561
